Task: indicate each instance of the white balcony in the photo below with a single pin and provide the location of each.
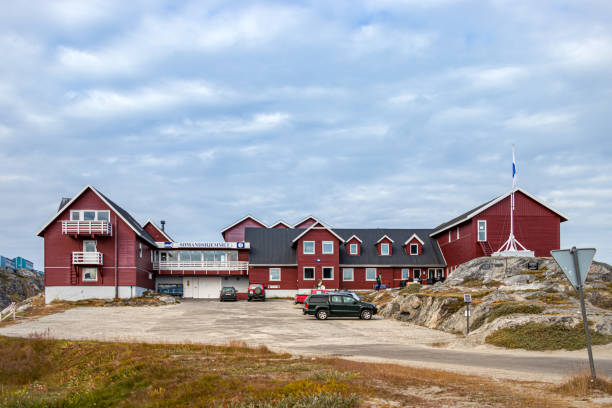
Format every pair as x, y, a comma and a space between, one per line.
87, 227
201, 266
87, 258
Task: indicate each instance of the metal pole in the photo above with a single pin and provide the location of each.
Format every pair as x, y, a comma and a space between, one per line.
584, 316
467, 312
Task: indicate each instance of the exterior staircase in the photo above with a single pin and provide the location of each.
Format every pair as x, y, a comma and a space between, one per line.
486, 248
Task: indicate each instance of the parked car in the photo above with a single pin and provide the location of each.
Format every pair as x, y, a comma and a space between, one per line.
256, 291
301, 297
228, 293
338, 305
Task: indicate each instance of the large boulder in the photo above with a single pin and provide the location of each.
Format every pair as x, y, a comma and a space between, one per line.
17, 285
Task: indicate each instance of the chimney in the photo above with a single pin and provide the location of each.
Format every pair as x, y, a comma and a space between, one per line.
163, 224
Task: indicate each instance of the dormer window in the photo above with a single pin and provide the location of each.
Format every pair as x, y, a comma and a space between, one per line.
414, 249
414, 245
353, 249
384, 249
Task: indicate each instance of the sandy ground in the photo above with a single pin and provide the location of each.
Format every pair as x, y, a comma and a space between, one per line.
281, 326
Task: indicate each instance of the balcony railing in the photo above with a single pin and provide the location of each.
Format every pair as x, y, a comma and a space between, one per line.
87, 227
87, 258
201, 266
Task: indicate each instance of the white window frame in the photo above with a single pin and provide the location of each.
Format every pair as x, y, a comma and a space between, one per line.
431, 273
366, 274
385, 245
356, 251
457, 232
414, 273
323, 273
323, 247
140, 249
80, 212
304, 247
90, 240
344, 270
478, 230
270, 274
83, 269
407, 276
304, 273
450, 238
414, 246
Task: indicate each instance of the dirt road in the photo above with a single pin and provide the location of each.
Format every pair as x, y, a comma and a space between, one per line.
281, 326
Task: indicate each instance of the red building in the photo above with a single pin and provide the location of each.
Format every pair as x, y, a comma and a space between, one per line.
96, 249
484, 229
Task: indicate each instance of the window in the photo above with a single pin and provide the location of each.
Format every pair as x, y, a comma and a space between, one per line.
328, 247
336, 299
370, 274
309, 247
457, 232
482, 230
416, 273
90, 274
449, 236
353, 250
140, 249
275, 274
439, 273
405, 274
89, 215
384, 249
89, 246
328, 273
309, 273
430, 273
414, 249
349, 300
347, 274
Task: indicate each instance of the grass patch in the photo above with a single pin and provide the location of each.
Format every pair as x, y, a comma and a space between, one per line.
410, 289
540, 336
40, 372
553, 299
508, 308
582, 385
472, 283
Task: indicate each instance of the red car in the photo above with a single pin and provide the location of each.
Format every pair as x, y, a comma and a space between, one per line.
301, 297
256, 291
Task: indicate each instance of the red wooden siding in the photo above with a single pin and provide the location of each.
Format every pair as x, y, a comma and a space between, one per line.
154, 232
353, 241
384, 241
261, 274
236, 233
318, 260
413, 241
307, 223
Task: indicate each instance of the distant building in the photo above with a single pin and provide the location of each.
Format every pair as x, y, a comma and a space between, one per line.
22, 263
6, 262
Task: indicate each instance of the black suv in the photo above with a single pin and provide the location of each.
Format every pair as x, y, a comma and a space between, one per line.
228, 293
338, 305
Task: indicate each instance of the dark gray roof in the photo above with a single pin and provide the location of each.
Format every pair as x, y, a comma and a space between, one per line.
129, 219
445, 225
273, 247
63, 203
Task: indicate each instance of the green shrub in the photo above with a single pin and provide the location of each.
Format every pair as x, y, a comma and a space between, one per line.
411, 289
508, 308
540, 336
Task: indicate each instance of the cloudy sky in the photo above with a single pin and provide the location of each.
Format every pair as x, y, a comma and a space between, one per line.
365, 114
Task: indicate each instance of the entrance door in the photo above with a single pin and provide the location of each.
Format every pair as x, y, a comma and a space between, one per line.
188, 286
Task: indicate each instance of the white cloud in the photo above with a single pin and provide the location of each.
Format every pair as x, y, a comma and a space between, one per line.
586, 53
377, 37
483, 77
543, 120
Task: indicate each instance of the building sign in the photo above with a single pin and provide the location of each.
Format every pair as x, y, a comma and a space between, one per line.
213, 245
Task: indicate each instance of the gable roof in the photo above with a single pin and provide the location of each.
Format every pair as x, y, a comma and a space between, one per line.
414, 236
246, 217
383, 237
475, 211
158, 229
124, 215
313, 226
279, 222
274, 247
306, 219
354, 236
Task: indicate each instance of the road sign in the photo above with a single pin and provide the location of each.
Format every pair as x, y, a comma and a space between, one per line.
467, 298
565, 259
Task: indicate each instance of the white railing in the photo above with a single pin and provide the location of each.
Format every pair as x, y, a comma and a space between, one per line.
9, 310
201, 266
87, 258
87, 227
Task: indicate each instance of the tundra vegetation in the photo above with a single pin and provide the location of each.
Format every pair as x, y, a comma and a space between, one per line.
41, 372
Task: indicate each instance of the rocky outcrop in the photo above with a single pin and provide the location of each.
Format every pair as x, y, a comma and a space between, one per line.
18, 285
505, 293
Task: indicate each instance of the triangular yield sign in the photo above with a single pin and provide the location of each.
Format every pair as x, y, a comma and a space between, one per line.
565, 259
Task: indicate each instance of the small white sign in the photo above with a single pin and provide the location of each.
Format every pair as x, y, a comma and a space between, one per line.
467, 298
467, 313
210, 245
273, 286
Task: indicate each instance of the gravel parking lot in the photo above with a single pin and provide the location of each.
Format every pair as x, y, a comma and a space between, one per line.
280, 325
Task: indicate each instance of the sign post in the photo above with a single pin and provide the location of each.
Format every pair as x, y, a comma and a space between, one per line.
571, 262
467, 298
